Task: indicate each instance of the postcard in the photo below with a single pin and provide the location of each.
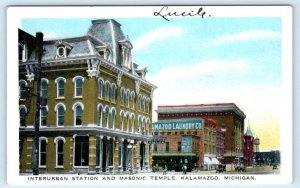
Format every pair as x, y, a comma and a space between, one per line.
163, 95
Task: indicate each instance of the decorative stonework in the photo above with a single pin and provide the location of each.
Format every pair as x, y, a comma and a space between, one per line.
29, 72
137, 86
93, 67
119, 79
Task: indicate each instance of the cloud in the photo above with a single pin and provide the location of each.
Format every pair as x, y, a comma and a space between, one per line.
246, 36
203, 68
50, 35
157, 35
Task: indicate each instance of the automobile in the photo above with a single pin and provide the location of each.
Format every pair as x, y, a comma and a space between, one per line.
275, 166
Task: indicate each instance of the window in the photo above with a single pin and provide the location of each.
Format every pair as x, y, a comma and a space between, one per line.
179, 146
43, 116
60, 114
113, 92
59, 151
44, 87
100, 88
22, 89
61, 51
23, 111
122, 120
78, 86
107, 87
23, 52
132, 100
113, 114
106, 117
131, 124
43, 151
139, 102
167, 146
155, 147
81, 152
122, 95
60, 86
78, 115
100, 108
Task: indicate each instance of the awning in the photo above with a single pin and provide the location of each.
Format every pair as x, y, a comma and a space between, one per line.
215, 161
207, 161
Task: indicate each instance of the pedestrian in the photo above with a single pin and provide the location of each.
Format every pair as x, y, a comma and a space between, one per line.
184, 169
165, 170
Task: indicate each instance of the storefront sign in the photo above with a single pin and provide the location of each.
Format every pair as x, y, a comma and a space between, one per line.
178, 124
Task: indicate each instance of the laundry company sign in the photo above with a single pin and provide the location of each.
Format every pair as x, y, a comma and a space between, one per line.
178, 124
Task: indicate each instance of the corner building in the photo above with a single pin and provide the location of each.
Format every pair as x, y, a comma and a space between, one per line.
230, 144
96, 104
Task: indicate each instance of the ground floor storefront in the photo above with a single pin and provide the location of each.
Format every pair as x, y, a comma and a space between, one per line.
87, 153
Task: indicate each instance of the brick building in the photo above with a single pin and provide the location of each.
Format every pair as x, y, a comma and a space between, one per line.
98, 111
224, 114
248, 147
190, 141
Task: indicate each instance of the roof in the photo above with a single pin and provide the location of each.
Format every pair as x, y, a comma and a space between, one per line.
249, 132
213, 107
106, 30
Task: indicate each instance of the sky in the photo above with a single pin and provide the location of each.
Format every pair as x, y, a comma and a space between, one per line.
197, 61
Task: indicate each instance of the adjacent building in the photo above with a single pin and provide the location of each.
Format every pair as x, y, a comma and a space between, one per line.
96, 104
227, 116
248, 147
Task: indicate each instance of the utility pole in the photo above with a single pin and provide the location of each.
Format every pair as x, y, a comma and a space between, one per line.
38, 72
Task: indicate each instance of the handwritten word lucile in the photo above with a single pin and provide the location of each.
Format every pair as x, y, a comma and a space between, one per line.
164, 13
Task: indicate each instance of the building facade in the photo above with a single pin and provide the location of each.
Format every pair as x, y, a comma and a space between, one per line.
96, 104
187, 141
226, 115
249, 147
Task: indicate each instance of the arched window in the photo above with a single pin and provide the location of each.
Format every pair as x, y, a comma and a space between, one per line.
122, 95
59, 151
106, 118
132, 99
60, 86
78, 110
113, 114
43, 151
122, 120
148, 106
143, 104
43, 116
127, 97
113, 92
100, 88
107, 88
60, 109
131, 127
139, 124
100, 109
23, 112
139, 102
44, 87
78, 114
22, 89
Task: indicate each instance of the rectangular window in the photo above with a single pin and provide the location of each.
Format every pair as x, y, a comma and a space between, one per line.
61, 88
167, 146
43, 145
43, 117
60, 153
81, 151
179, 146
155, 147
78, 87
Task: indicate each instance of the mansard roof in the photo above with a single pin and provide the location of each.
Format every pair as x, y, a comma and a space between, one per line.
107, 30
